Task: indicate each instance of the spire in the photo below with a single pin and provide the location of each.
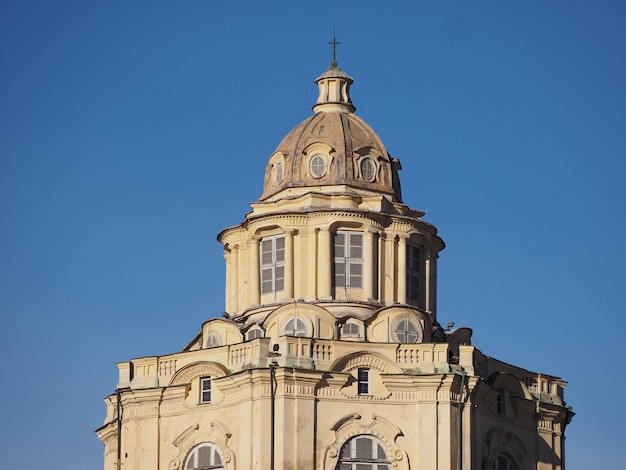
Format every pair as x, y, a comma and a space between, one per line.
334, 87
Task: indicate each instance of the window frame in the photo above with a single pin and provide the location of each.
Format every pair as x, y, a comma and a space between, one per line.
350, 334
406, 332
351, 263
363, 381
213, 341
413, 273
272, 261
349, 458
194, 455
371, 166
296, 332
205, 390
316, 170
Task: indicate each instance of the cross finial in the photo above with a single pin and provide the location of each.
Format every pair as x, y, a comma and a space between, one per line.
334, 43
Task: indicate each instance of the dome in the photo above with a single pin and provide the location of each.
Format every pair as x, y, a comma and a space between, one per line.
334, 150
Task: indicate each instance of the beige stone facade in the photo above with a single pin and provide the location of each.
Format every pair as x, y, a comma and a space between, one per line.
329, 354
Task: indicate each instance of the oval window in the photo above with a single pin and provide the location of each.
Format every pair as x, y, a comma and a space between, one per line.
368, 169
317, 166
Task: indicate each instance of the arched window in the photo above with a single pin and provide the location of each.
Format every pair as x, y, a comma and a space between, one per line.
255, 332
363, 453
295, 327
204, 457
213, 341
406, 332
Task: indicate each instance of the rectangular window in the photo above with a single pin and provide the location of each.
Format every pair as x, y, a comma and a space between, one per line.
500, 401
363, 378
348, 259
272, 264
205, 394
413, 272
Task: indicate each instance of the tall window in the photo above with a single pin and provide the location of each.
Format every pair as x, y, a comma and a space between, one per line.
363, 378
205, 390
348, 256
406, 332
363, 453
413, 271
204, 457
272, 264
295, 327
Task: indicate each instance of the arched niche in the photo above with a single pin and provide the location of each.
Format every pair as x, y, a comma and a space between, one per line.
225, 331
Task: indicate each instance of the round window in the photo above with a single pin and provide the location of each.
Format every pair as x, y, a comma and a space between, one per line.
368, 169
279, 173
317, 166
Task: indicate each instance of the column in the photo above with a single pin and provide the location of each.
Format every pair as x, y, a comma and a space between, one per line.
427, 277
253, 268
401, 294
289, 264
324, 267
228, 288
234, 278
369, 265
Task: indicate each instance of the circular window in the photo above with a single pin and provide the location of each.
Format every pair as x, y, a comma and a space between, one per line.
368, 169
406, 332
279, 173
317, 166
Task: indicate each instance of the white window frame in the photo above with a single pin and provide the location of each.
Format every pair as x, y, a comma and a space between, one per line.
348, 257
205, 390
413, 273
354, 455
295, 327
318, 165
404, 331
272, 264
371, 166
350, 325
215, 458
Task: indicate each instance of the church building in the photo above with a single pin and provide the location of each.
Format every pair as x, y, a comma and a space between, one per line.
329, 355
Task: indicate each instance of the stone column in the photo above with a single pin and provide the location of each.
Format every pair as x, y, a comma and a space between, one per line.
228, 287
401, 271
253, 271
427, 277
369, 265
289, 264
235, 284
324, 266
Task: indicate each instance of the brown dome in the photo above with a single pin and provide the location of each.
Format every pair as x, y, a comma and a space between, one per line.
334, 147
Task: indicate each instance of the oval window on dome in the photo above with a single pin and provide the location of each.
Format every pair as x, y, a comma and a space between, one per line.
317, 166
279, 173
368, 169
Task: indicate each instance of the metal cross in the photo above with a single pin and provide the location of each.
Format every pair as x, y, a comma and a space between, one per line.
334, 43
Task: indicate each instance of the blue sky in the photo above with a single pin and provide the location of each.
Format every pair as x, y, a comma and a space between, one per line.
131, 133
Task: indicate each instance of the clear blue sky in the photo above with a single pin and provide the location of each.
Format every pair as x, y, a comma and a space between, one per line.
131, 133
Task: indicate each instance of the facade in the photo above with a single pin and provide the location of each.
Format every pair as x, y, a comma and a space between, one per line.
329, 354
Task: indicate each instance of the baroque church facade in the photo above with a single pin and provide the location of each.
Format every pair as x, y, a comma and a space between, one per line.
329, 355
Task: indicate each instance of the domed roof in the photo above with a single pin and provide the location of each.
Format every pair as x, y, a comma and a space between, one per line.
334, 150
